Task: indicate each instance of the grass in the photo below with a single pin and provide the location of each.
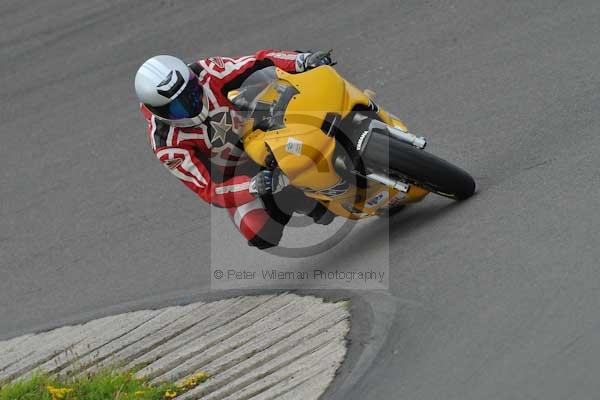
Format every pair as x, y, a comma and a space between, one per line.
106, 385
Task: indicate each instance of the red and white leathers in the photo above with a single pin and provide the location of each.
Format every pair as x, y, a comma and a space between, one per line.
214, 145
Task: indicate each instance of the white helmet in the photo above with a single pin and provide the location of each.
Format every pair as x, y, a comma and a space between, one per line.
171, 91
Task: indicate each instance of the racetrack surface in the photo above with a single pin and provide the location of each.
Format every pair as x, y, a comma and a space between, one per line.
498, 296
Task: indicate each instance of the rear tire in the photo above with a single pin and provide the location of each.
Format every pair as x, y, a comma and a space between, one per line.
430, 172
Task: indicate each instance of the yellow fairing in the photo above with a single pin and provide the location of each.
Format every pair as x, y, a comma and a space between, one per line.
305, 153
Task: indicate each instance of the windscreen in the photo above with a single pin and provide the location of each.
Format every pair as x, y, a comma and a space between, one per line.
264, 98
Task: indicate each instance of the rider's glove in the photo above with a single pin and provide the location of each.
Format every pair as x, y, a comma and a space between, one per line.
267, 182
308, 61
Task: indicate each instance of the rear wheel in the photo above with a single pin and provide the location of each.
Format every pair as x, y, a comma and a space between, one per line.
430, 172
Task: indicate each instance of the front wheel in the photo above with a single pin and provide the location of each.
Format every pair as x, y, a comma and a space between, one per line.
430, 172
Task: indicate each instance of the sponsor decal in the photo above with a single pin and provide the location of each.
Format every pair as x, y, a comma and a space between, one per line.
397, 199
373, 106
294, 146
283, 56
173, 163
351, 209
232, 188
361, 139
336, 190
220, 129
377, 199
218, 61
175, 82
300, 62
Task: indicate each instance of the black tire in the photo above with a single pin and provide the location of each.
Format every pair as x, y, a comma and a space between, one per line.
430, 172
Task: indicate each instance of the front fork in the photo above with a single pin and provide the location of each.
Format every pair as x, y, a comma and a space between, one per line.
375, 163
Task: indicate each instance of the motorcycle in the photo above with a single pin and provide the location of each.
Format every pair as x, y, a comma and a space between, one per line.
333, 142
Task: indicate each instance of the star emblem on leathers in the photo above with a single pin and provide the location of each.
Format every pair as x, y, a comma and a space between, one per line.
220, 129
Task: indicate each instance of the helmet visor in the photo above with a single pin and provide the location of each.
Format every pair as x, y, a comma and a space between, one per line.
188, 104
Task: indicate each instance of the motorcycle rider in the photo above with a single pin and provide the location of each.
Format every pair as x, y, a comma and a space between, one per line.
194, 131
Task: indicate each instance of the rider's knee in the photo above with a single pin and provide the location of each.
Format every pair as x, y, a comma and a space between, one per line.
269, 236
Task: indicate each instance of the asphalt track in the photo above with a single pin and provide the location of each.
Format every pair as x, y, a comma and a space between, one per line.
494, 298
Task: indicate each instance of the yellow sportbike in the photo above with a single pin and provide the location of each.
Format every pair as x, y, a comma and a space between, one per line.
336, 145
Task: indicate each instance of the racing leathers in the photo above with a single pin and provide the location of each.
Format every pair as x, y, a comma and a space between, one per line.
209, 158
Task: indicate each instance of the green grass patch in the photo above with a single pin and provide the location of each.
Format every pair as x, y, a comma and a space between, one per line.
105, 385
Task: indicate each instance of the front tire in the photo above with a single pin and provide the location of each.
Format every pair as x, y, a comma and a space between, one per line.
428, 171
